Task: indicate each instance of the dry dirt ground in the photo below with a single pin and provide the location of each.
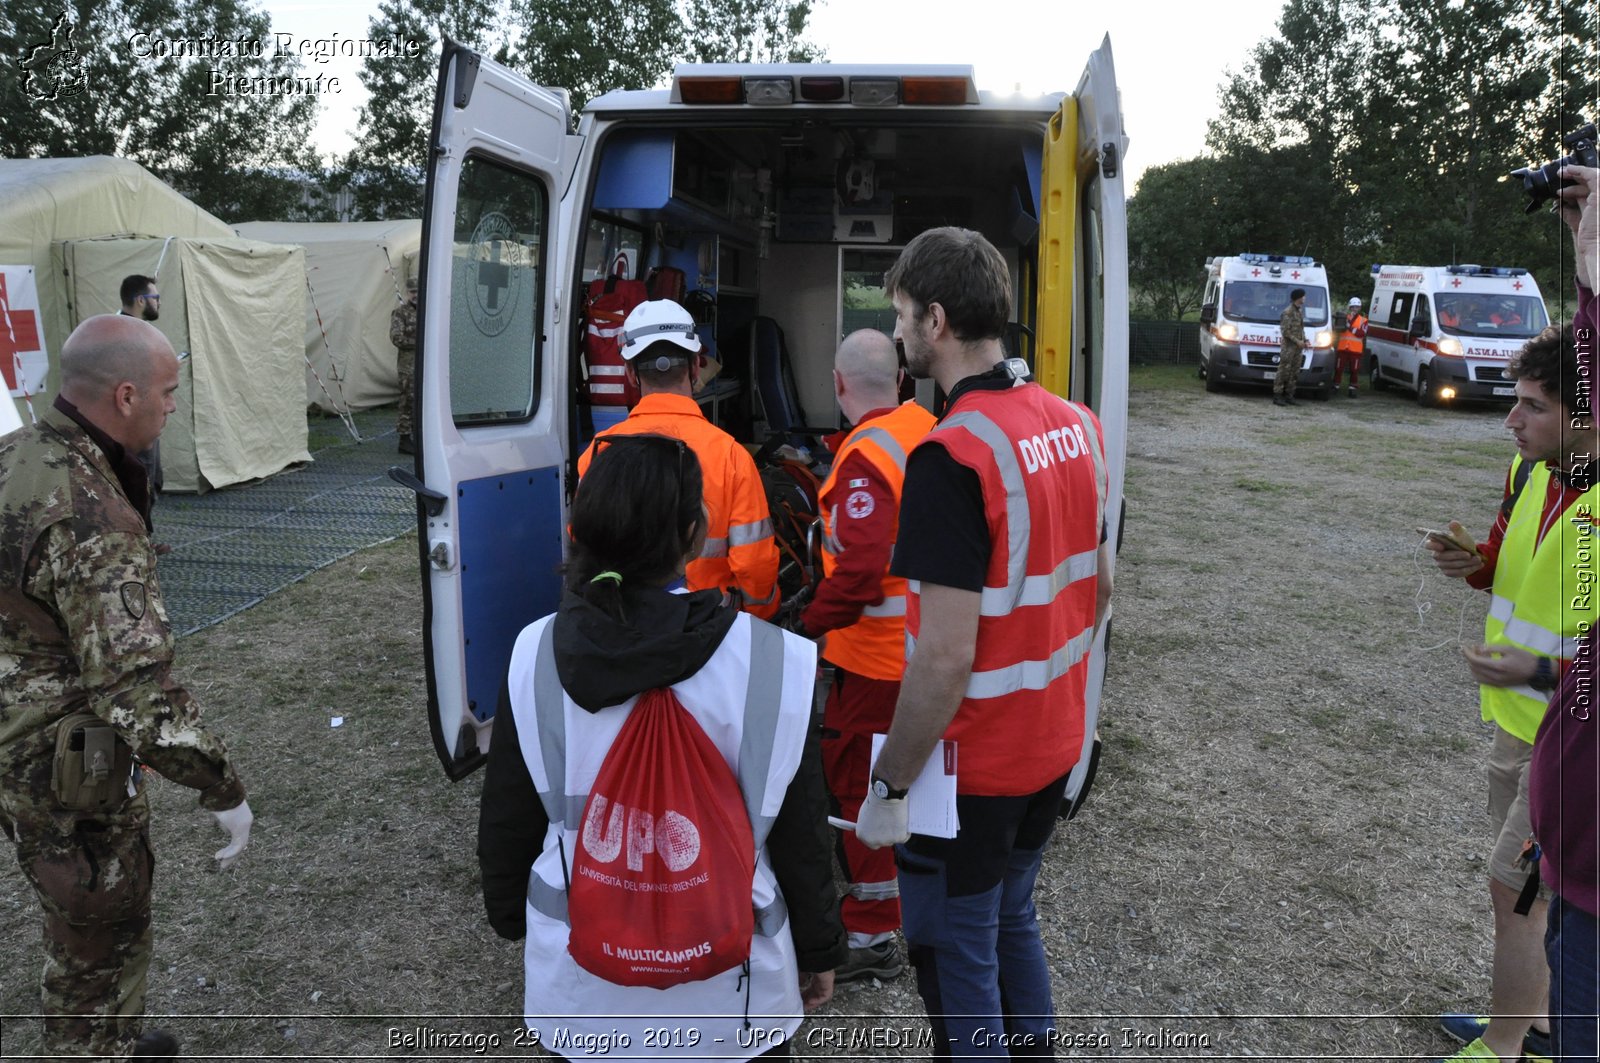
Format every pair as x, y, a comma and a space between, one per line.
1283, 857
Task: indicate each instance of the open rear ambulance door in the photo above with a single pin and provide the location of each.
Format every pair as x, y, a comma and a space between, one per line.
491, 418
1083, 319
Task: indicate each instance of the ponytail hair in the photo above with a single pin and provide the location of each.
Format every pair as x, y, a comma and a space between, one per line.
634, 516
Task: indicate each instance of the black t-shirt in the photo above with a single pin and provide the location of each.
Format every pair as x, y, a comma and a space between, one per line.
944, 532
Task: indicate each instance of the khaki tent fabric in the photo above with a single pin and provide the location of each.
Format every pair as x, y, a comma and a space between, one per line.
355, 277
234, 310
44, 201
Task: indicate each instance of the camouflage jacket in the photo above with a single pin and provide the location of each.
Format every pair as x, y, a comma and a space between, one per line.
403, 326
82, 625
1292, 328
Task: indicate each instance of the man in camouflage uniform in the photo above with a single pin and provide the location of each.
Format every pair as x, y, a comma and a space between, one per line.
403, 334
1291, 346
83, 631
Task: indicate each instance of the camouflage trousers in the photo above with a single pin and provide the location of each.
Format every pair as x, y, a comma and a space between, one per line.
406, 362
1288, 377
92, 874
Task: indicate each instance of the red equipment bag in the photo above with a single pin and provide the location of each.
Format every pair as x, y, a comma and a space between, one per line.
666, 282
660, 887
607, 306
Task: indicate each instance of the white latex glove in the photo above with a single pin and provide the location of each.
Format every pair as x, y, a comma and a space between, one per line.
236, 821
883, 821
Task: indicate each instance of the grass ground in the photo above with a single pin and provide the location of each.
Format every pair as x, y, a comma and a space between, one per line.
1283, 857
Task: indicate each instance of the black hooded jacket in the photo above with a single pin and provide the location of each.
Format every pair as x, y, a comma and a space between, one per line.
663, 639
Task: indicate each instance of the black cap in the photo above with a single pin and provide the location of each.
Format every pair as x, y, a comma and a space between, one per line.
1298, 293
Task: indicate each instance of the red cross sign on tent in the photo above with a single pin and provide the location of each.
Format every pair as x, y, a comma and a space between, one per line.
22, 356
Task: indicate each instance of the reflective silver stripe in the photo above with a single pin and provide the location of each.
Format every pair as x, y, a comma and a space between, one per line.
1040, 590
771, 919
830, 540
1031, 675
1005, 459
745, 534
548, 900
883, 438
714, 548
1541, 696
1526, 633
607, 370
771, 597
875, 891
762, 698
549, 713
894, 605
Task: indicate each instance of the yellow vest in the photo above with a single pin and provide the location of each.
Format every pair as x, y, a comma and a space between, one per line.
1543, 596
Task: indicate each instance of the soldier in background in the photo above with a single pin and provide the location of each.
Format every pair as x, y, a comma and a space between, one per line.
141, 300
403, 334
1291, 345
86, 690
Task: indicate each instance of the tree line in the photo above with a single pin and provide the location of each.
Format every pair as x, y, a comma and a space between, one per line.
123, 77
1368, 131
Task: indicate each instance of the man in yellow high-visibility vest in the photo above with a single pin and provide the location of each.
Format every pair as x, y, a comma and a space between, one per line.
1539, 567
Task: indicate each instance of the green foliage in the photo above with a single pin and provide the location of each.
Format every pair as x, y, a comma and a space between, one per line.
385, 169
1378, 130
238, 156
586, 48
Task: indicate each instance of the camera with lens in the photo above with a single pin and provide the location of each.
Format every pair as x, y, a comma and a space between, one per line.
1542, 182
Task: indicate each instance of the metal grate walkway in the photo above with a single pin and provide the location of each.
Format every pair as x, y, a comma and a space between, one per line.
232, 548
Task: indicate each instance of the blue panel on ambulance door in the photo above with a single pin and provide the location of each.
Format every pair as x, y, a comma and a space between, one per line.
510, 551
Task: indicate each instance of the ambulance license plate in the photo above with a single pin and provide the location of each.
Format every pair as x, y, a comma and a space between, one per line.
1507, 392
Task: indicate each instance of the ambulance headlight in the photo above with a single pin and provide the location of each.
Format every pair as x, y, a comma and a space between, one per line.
1446, 394
1324, 338
1227, 333
1450, 346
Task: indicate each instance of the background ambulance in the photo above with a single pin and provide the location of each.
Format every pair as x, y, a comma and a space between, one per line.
779, 194
1447, 332
1244, 297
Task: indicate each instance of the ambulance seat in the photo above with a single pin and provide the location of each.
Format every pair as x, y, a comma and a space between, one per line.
772, 380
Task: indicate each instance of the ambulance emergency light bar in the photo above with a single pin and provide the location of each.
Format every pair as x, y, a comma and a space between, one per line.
778, 85
1283, 260
1473, 271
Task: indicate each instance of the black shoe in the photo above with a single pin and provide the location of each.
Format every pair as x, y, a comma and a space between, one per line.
156, 1044
405, 446
1292, 402
880, 961
1278, 400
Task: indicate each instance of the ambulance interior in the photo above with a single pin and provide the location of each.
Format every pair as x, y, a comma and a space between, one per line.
784, 233
1487, 314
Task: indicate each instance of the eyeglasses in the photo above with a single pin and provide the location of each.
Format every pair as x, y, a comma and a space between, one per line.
151, 295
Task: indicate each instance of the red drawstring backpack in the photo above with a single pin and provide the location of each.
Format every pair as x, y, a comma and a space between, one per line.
606, 307
660, 886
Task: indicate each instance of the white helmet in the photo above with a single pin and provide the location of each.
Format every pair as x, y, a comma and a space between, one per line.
658, 319
1355, 300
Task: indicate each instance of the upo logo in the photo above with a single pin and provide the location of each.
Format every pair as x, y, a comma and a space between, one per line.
674, 837
55, 67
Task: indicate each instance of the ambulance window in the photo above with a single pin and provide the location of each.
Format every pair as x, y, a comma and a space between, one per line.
496, 294
863, 303
1423, 321
1400, 312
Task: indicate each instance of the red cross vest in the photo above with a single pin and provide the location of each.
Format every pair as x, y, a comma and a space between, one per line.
1041, 463
875, 645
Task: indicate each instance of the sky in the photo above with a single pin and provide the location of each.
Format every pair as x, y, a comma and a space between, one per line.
1170, 57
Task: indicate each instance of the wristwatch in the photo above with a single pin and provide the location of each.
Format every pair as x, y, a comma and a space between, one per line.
884, 792
1544, 676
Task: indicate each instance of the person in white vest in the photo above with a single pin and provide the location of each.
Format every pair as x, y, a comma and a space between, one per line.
573, 681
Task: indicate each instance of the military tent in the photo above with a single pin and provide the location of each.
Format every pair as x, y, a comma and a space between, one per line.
234, 308
355, 277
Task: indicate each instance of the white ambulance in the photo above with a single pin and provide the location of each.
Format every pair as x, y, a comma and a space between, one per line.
1447, 332
1244, 297
782, 193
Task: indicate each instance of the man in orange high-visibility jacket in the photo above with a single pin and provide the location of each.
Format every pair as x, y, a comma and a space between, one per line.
1003, 541
861, 609
662, 352
1352, 341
